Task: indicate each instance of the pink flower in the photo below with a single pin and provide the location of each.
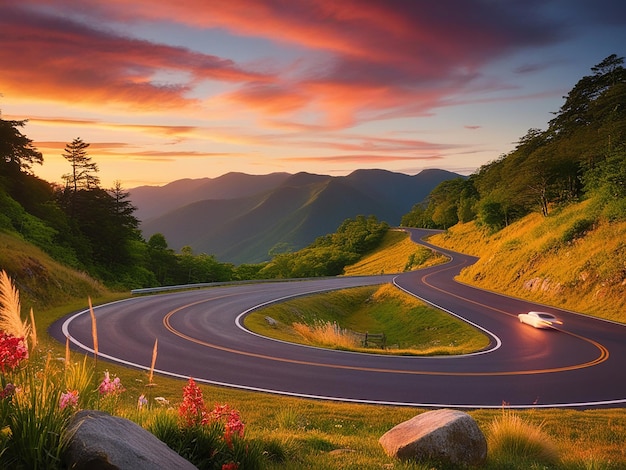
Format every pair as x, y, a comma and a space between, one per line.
110, 387
69, 399
233, 426
13, 350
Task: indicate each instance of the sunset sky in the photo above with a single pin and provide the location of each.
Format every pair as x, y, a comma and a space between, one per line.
171, 89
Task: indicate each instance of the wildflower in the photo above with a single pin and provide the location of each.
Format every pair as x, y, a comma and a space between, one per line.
141, 402
69, 399
8, 391
110, 387
230, 466
192, 409
13, 350
233, 424
233, 427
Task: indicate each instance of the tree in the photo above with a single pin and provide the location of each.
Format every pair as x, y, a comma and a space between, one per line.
17, 152
83, 175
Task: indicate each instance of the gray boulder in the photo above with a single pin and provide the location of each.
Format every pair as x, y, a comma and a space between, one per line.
446, 436
99, 441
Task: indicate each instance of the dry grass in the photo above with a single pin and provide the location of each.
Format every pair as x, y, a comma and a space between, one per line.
394, 255
328, 334
511, 439
533, 259
10, 309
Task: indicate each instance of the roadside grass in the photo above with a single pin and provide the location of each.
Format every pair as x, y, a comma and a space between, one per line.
410, 326
572, 259
396, 254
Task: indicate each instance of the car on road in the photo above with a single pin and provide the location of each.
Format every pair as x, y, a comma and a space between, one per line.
539, 319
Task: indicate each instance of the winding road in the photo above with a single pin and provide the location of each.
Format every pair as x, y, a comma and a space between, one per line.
200, 335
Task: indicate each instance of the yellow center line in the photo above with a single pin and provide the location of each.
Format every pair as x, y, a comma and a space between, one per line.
166, 322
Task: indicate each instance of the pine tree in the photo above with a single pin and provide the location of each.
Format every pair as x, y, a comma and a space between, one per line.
83, 175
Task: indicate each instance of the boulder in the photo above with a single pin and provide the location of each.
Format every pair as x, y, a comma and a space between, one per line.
99, 441
446, 436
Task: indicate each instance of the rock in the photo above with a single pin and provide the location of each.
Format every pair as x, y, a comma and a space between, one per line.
446, 436
270, 321
99, 441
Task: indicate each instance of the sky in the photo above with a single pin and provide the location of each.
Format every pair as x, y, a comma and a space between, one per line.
172, 89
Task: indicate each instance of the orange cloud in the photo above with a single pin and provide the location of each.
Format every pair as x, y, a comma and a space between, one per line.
371, 59
60, 59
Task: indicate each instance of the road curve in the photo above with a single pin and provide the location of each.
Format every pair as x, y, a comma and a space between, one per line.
200, 335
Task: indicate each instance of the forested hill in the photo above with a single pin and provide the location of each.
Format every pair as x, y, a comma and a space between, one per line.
288, 211
580, 155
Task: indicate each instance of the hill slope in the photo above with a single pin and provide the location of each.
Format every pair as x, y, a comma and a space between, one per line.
554, 260
293, 213
42, 282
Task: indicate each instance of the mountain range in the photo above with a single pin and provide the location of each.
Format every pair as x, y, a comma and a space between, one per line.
240, 218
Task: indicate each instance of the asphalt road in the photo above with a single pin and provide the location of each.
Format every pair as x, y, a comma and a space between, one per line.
200, 335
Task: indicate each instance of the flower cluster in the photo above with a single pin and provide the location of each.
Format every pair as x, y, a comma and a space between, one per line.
232, 421
70, 398
13, 350
193, 412
110, 387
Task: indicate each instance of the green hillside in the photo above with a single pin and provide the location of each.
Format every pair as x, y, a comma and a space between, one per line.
560, 260
44, 283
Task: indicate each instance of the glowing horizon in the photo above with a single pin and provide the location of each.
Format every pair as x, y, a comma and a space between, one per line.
170, 90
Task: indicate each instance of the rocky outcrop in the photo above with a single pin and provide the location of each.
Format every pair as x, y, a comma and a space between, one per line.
446, 436
99, 441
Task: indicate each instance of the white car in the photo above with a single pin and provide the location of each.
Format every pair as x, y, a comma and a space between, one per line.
539, 319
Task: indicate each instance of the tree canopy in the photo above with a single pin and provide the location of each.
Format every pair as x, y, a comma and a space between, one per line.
581, 153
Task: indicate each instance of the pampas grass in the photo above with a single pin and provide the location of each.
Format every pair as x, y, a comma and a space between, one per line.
94, 330
33, 329
10, 317
152, 364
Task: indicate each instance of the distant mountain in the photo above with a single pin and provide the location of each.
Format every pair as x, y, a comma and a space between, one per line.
154, 201
240, 218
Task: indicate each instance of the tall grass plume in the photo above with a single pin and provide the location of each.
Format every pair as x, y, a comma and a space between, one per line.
10, 307
94, 330
153, 363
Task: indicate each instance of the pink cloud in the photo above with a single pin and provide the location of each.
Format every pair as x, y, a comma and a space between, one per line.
374, 59
61, 59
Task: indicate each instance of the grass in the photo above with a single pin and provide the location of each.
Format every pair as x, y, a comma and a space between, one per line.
410, 327
396, 254
327, 334
512, 440
561, 260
